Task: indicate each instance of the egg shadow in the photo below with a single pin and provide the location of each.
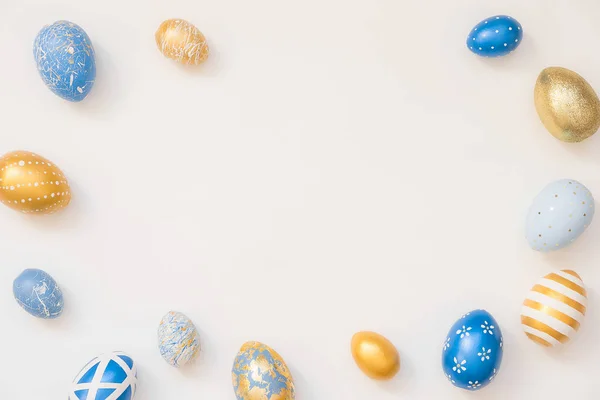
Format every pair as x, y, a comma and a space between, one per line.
202, 360
301, 384
399, 383
69, 218
520, 58
211, 67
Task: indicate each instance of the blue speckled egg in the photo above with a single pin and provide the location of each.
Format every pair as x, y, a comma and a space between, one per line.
65, 60
260, 373
111, 376
558, 215
38, 294
472, 352
178, 339
495, 36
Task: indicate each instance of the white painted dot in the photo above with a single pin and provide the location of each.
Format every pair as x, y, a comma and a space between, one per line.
518, 27
497, 31
71, 50
12, 188
57, 182
54, 173
29, 162
49, 164
473, 38
486, 22
45, 196
22, 200
18, 185
505, 44
29, 199
37, 162
516, 40
36, 184
29, 184
52, 195
471, 47
497, 17
45, 172
510, 28
38, 198
480, 48
21, 163
492, 47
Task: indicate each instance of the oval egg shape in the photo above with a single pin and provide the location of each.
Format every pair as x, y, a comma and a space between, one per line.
554, 308
260, 373
31, 184
376, 356
559, 214
181, 41
66, 60
109, 376
178, 339
495, 36
472, 352
38, 294
567, 105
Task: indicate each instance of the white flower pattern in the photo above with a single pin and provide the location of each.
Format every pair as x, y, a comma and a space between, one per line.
484, 354
450, 378
493, 375
487, 328
464, 331
474, 385
459, 367
447, 344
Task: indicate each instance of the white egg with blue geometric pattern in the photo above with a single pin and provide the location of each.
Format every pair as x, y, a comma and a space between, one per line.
560, 213
111, 376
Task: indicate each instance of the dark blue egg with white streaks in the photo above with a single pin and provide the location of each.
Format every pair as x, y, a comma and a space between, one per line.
495, 36
65, 60
38, 294
472, 351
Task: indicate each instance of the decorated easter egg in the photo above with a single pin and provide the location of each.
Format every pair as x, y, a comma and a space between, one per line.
495, 36
181, 41
260, 373
31, 184
554, 308
111, 376
375, 355
65, 60
178, 339
558, 215
38, 294
472, 352
566, 104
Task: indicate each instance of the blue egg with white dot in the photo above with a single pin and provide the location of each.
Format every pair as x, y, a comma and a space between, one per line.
495, 36
66, 60
38, 294
472, 352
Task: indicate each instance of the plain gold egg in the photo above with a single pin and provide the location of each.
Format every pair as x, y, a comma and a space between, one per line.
567, 105
181, 41
376, 356
31, 184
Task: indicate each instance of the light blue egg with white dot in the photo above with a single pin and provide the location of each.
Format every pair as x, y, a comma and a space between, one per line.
559, 214
495, 36
66, 60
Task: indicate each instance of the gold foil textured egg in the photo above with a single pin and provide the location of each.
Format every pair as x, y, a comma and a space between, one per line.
181, 41
31, 184
375, 355
567, 105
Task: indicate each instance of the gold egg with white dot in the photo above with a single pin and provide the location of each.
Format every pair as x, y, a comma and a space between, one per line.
31, 184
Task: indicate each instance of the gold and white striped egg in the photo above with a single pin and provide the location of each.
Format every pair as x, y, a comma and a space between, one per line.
554, 308
181, 41
31, 184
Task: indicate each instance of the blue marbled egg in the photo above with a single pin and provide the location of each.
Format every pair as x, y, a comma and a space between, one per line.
495, 36
178, 339
65, 60
472, 352
38, 294
558, 215
260, 373
111, 376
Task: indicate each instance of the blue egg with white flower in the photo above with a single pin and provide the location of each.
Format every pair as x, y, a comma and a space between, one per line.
495, 36
472, 351
65, 59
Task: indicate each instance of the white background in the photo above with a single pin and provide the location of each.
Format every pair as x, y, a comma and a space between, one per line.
336, 165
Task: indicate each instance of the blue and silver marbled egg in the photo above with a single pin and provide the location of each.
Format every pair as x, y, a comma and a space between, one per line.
111, 376
495, 36
472, 352
178, 339
65, 60
38, 294
559, 215
260, 373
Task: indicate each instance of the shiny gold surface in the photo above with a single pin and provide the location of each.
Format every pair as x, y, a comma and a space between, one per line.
181, 41
567, 105
31, 184
375, 355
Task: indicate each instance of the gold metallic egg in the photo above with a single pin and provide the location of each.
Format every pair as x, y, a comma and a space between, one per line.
31, 184
567, 105
375, 355
181, 41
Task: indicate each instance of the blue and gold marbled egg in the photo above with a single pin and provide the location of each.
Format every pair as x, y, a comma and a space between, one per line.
472, 352
495, 36
38, 294
65, 60
178, 339
559, 214
259, 373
